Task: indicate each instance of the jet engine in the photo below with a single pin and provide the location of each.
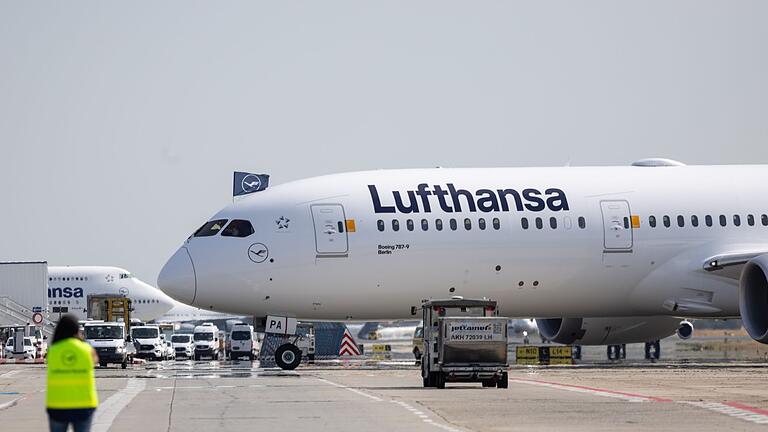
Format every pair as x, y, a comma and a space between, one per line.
753, 298
685, 330
608, 331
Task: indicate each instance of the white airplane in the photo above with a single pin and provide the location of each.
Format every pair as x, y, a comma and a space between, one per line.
181, 312
70, 286
600, 255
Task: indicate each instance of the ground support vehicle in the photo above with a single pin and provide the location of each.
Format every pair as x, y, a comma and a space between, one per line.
183, 346
148, 343
464, 341
242, 343
207, 342
109, 340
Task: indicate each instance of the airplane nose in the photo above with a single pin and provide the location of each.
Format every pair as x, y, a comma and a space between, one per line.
177, 278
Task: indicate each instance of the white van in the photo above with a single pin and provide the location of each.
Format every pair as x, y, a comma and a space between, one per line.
206, 337
28, 351
148, 342
183, 345
242, 343
109, 341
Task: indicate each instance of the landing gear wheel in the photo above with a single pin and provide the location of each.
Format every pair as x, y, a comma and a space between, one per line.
489, 383
440, 380
103, 364
288, 356
503, 382
124, 364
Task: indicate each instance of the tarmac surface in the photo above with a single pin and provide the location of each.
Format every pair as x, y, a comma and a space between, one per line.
388, 396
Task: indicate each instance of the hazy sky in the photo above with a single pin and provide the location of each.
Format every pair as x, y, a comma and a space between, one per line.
121, 122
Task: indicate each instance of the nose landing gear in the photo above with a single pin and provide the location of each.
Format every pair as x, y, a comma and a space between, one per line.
288, 356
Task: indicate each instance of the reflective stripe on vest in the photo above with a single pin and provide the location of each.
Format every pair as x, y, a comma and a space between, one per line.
71, 382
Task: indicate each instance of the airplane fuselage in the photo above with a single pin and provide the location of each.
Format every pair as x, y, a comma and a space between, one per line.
544, 242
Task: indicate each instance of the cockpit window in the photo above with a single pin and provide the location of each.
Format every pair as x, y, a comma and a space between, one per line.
238, 228
211, 228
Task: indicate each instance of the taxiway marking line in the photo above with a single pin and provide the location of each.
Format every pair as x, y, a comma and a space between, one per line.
420, 414
356, 391
629, 397
10, 374
424, 417
7, 405
733, 409
110, 408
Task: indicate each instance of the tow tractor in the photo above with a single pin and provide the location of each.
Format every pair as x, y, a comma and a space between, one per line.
465, 340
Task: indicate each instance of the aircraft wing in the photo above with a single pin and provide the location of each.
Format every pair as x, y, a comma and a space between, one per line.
730, 264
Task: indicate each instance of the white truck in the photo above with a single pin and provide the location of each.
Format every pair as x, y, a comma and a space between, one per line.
465, 340
242, 343
183, 346
148, 343
109, 340
207, 342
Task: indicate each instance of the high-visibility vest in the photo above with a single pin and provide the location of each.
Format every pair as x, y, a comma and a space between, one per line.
71, 382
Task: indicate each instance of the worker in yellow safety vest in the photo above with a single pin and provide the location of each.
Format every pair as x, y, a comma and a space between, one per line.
71, 396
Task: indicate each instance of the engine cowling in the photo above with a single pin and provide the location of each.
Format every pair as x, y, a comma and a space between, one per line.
685, 330
753, 298
607, 331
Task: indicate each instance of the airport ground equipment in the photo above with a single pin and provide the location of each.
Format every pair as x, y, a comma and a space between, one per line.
464, 341
110, 308
24, 294
207, 342
183, 345
110, 340
546, 354
418, 343
146, 339
242, 342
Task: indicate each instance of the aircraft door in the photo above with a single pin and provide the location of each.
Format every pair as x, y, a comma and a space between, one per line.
330, 229
617, 226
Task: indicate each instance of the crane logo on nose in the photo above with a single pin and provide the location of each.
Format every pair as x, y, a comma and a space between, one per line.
258, 252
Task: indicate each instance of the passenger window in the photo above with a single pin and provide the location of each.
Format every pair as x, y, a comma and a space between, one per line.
481, 223
652, 221
737, 220
236, 228
539, 223
708, 220
694, 220
626, 223
467, 224
666, 221
524, 223
751, 220
439, 224
680, 221
409, 224
424, 225
211, 228
380, 224
553, 223
453, 224
723, 220
496, 223
340, 226
395, 225
764, 220
582, 222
